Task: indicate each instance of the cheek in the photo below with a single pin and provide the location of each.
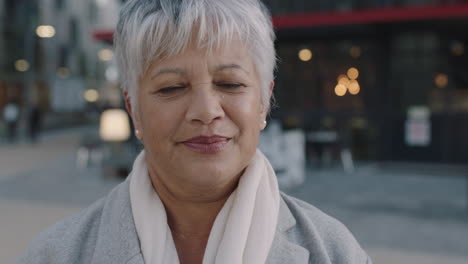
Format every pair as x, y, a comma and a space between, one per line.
158, 121
246, 114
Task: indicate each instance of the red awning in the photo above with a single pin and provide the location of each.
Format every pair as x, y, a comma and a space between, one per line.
353, 17
104, 35
371, 16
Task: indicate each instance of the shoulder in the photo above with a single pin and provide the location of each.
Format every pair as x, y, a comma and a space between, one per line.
309, 216
73, 238
322, 234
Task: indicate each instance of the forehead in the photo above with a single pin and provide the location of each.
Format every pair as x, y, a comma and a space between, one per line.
232, 55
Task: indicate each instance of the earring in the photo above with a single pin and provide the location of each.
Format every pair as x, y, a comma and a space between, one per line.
264, 124
137, 133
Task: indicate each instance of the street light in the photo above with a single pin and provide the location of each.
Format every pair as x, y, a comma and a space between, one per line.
353, 73
45, 31
105, 54
354, 87
22, 65
441, 80
114, 125
305, 55
340, 90
91, 96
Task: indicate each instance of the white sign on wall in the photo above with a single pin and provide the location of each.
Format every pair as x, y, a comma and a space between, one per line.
418, 133
418, 127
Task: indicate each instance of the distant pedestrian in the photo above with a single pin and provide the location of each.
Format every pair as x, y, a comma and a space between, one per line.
11, 116
35, 117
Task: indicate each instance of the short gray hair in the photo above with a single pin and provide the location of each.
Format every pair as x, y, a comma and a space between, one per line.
149, 30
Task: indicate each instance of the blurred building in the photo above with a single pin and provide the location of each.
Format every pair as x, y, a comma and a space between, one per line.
48, 56
388, 77
409, 101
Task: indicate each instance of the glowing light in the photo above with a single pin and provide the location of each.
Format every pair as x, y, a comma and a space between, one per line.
458, 49
22, 65
91, 95
355, 52
441, 80
353, 73
344, 81
105, 54
63, 72
45, 31
340, 90
341, 76
114, 125
354, 88
305, 55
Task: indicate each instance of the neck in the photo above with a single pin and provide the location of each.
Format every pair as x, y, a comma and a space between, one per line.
191, 219
191, 212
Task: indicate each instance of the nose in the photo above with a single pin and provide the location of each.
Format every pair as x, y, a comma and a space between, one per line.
204, 106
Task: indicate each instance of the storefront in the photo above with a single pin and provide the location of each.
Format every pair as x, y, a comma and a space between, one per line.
411, 102
408, 99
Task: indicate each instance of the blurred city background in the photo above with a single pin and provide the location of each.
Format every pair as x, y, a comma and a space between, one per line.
372, 110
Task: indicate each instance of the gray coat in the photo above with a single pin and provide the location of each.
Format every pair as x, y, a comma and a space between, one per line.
105, 233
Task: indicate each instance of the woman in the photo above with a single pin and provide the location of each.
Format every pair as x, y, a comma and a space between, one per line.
197, 77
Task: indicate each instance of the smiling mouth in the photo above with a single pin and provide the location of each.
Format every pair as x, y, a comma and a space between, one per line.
207, 144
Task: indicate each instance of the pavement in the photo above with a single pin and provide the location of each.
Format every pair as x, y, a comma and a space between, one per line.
41, 184
398, 216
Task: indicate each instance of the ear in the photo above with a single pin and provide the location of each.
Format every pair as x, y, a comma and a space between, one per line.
133, 114
264, 112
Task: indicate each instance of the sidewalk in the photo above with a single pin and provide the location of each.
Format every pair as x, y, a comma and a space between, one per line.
39, 185
397, 216
389, 256
24, 156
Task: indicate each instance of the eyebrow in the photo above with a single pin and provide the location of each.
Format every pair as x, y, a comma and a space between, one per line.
179, 71
169, 70
223, 67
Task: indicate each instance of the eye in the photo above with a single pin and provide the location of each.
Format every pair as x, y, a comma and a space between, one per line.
171, 89
229, 85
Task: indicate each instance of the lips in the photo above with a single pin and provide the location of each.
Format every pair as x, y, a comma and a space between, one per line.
206, 139
207, 144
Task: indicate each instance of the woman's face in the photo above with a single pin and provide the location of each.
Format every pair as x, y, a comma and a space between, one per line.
199, 117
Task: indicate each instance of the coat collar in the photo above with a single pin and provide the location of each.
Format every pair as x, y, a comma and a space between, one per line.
117, 239
283, 250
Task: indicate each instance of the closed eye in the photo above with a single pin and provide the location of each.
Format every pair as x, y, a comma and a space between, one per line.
171, 89
230, 85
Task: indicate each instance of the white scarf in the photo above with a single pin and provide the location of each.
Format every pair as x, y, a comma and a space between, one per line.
243, 231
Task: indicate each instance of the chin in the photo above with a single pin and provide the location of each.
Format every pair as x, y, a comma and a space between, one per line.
212, 172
